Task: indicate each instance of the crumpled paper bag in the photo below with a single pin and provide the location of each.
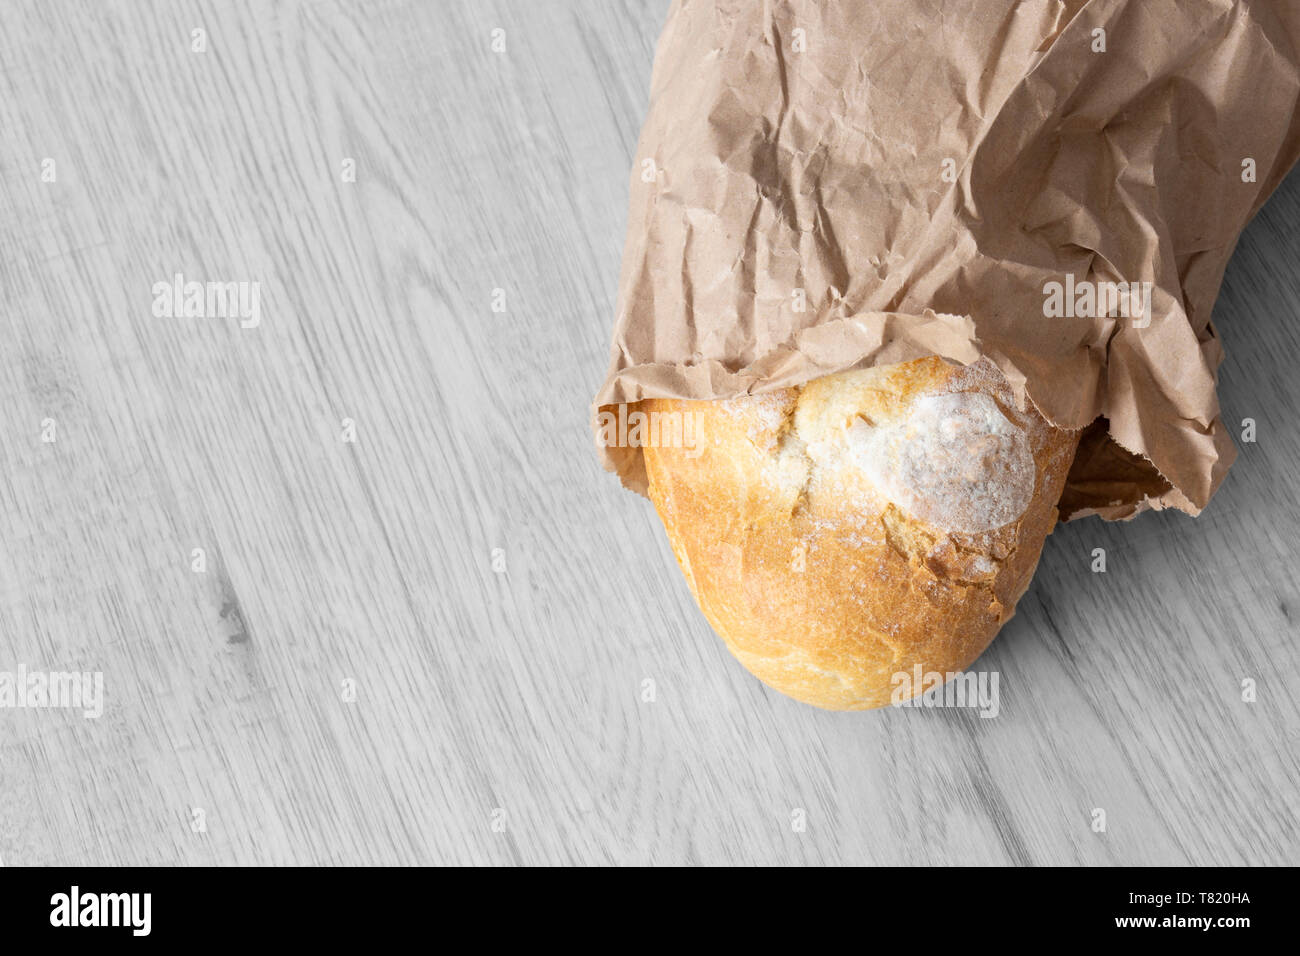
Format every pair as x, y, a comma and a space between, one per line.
823, 185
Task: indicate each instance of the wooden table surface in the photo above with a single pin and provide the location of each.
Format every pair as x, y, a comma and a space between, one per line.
494, 599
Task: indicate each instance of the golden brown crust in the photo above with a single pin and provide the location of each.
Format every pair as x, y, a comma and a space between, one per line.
819, 530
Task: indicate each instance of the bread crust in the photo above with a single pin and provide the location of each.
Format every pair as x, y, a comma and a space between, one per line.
818, 530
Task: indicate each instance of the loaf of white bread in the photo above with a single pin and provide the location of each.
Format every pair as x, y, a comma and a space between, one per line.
842, 533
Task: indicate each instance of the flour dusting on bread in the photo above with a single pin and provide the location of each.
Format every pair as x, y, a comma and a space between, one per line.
955, 461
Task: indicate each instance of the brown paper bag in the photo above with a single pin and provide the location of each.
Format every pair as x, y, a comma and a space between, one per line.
823, 185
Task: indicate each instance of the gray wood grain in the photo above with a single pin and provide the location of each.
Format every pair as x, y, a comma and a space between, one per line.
515, 690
